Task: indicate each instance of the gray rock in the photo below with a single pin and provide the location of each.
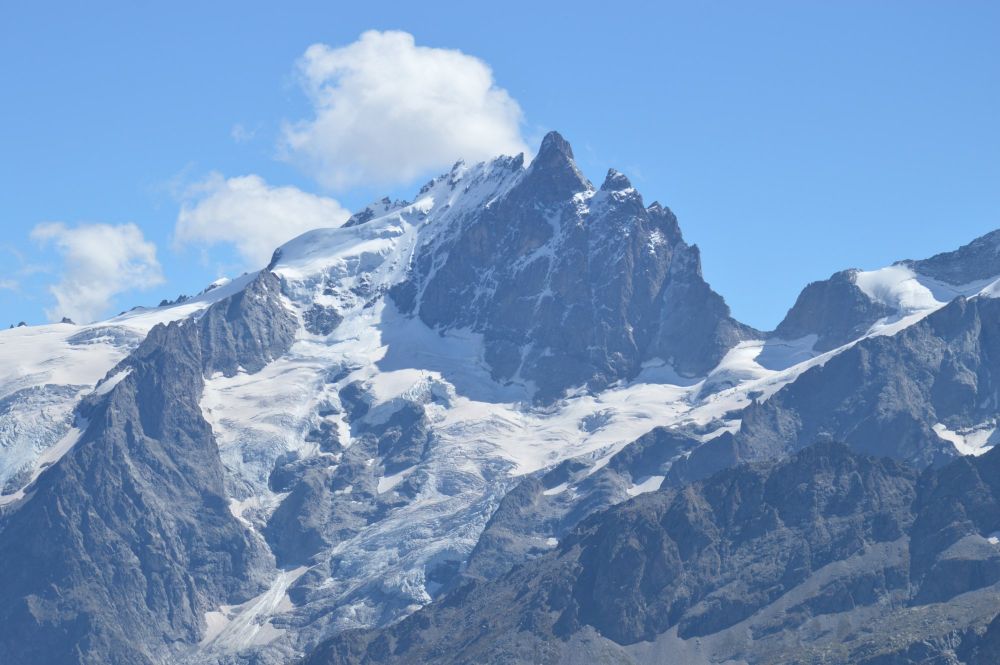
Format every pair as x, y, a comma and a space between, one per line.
978, 260
883, 396
838, 312
835, 310
571, 286
548, 505
787, 562
320, 320
121, 546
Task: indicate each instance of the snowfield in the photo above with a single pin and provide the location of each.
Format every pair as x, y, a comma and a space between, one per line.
479, 425
46, 370
485, 435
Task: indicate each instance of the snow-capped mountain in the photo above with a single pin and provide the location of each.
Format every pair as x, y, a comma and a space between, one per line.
824, 557
434, 393
853, 303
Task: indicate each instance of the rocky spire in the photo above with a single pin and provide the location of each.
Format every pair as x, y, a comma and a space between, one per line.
553, 172
615, 181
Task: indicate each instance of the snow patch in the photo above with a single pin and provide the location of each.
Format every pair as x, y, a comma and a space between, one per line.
898, 287
106, 385
558, 489
50, 456
386, 483
969, 440
648, 484
913, 295
235, 627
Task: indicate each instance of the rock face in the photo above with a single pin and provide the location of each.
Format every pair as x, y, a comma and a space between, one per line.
545, 507
844, 307
906, 396
121, 546
835, 310
516, 402
888, 395
784, 562
570, 285
978, 260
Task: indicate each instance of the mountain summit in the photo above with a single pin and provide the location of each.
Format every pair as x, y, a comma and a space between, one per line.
459, 401
569, 286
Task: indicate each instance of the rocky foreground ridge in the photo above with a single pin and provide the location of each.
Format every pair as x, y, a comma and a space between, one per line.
507, 421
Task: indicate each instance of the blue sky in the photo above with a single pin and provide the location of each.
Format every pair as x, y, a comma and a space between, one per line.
792, 139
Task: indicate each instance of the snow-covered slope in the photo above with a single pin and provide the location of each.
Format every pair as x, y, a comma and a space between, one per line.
47, 370
908, 293
359, 361
509, 322
854, 303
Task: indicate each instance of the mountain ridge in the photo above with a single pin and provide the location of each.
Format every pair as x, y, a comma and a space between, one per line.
699, 561
439, 393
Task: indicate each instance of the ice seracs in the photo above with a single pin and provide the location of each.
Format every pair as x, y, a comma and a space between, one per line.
508, 325
49, 369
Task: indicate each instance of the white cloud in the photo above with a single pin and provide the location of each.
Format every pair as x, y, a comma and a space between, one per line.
251, 215
240, 134
99, 262
8, 284
388, 111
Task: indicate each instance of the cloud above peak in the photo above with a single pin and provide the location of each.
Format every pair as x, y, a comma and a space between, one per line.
387, 111
251, 215
99, 261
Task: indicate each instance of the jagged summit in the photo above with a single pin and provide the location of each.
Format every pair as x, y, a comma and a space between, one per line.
439, 392
570, 287
553, 172
554, 150
615, 182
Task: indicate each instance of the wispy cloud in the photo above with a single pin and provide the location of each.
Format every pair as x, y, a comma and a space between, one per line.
241, 134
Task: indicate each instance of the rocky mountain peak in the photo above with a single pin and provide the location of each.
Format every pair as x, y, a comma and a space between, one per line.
977, 260
615, 182
554, 149
568, 289
553, 173
513, 400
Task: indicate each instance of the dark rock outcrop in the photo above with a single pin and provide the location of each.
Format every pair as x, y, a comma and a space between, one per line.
835, 310
740, 566
571, 286
121, 546
980, 259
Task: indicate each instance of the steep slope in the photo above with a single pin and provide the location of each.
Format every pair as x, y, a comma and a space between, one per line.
48, 370
854, 302
435, 393
117, 549
786, 562
570, 286
925, 394
275, 467
373, 454
916, 384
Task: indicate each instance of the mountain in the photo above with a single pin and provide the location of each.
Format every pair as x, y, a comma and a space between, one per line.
795, 561
128, 538
569, 285
409, 410
844, 307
